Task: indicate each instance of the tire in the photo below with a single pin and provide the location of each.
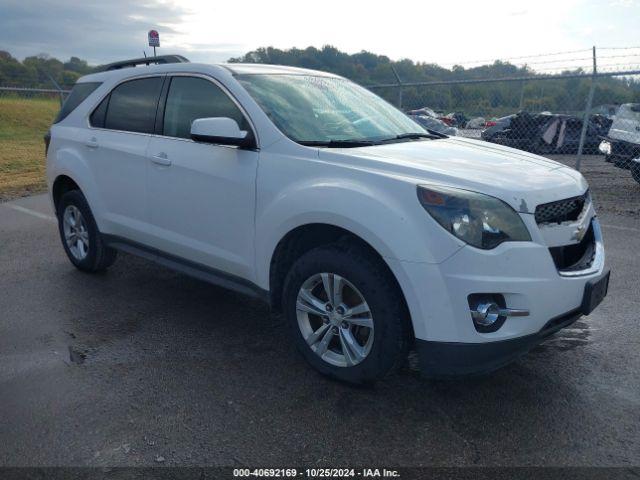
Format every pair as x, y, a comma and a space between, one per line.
362, 274
623, 163
635, 171
92, 256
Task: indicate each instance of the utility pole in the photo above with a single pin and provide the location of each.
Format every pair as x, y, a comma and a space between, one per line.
55, 84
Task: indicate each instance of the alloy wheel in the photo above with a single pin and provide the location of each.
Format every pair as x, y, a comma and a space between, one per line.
335, 319
76, 234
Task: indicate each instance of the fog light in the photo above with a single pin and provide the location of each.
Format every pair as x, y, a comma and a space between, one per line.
486, 314
489, 311
605, 147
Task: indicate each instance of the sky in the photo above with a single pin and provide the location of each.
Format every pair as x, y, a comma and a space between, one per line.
443, 32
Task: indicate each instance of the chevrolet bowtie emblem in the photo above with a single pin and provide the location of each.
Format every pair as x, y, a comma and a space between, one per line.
579, 233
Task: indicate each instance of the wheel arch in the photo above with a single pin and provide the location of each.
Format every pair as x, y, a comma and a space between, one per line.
62, 184
303, 238
69, 170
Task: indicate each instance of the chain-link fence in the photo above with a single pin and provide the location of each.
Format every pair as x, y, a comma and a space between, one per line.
575, 114
587, 114
22, 93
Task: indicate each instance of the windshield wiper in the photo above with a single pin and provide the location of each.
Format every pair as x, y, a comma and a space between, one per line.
353, 142
350, 143
415, 136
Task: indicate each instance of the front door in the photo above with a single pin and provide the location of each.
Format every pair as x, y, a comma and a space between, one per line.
201, 196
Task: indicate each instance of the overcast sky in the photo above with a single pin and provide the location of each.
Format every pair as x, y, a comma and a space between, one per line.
441, 31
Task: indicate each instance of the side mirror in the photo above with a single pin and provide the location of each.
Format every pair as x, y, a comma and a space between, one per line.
220, 130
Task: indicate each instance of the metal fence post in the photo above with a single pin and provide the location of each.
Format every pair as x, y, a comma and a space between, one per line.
399, 86
587, 112
57, 87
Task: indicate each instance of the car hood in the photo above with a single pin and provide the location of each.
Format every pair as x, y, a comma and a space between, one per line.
521, 179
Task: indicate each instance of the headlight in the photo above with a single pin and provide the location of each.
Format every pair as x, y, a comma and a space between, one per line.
605, 147
480, 220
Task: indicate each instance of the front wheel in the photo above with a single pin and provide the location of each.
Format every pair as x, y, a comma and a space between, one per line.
346, 313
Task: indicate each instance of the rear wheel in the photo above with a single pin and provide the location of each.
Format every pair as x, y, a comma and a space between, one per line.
80, 236
346, 313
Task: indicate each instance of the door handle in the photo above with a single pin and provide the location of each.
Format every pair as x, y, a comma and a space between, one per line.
161, 159
92, 142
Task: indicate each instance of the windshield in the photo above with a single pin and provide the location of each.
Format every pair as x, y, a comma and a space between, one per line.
323, 110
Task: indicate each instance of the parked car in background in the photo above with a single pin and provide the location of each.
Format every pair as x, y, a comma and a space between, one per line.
454, 119
547, 133
434, 125
495, 126
635, 169
425, 111
607, 110
476, 123
622, 142
371, 235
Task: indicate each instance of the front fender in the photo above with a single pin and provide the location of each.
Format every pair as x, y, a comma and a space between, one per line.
385, 213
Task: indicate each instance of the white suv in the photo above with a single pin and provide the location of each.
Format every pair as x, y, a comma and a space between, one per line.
370, 234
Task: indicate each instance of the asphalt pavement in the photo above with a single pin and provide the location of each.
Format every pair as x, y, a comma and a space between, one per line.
144, 366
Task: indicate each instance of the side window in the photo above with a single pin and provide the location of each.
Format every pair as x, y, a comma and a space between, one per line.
190, 98
78, 95
97, 117
133, 104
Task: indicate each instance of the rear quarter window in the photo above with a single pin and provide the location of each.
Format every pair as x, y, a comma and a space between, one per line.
79, 94
99, 114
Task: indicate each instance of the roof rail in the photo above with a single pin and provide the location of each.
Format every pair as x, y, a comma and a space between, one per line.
161, 59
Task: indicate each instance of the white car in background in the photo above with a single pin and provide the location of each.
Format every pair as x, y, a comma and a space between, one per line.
371, 235
622, 144
433, 124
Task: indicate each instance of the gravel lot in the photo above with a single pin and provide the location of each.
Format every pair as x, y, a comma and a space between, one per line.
144, 366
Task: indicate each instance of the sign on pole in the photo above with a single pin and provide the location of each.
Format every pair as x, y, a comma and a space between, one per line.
154, 38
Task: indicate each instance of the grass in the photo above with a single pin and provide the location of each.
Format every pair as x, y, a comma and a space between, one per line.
23, 123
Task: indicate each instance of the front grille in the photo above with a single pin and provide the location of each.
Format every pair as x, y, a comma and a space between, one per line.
576, 257
562, 210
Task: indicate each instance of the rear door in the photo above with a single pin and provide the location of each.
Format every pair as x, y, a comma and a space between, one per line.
122, 125
201, 196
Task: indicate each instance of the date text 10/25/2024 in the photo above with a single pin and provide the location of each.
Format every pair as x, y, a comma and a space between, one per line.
316, 473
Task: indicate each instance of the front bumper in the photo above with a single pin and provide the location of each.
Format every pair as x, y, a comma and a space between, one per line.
622, 152
443, 359
527, 277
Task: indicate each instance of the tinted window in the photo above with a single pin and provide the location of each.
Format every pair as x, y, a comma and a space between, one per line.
133, 105
78, 95
97, 117
190, 98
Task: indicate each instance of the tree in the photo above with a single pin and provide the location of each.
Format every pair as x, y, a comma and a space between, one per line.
366, 68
